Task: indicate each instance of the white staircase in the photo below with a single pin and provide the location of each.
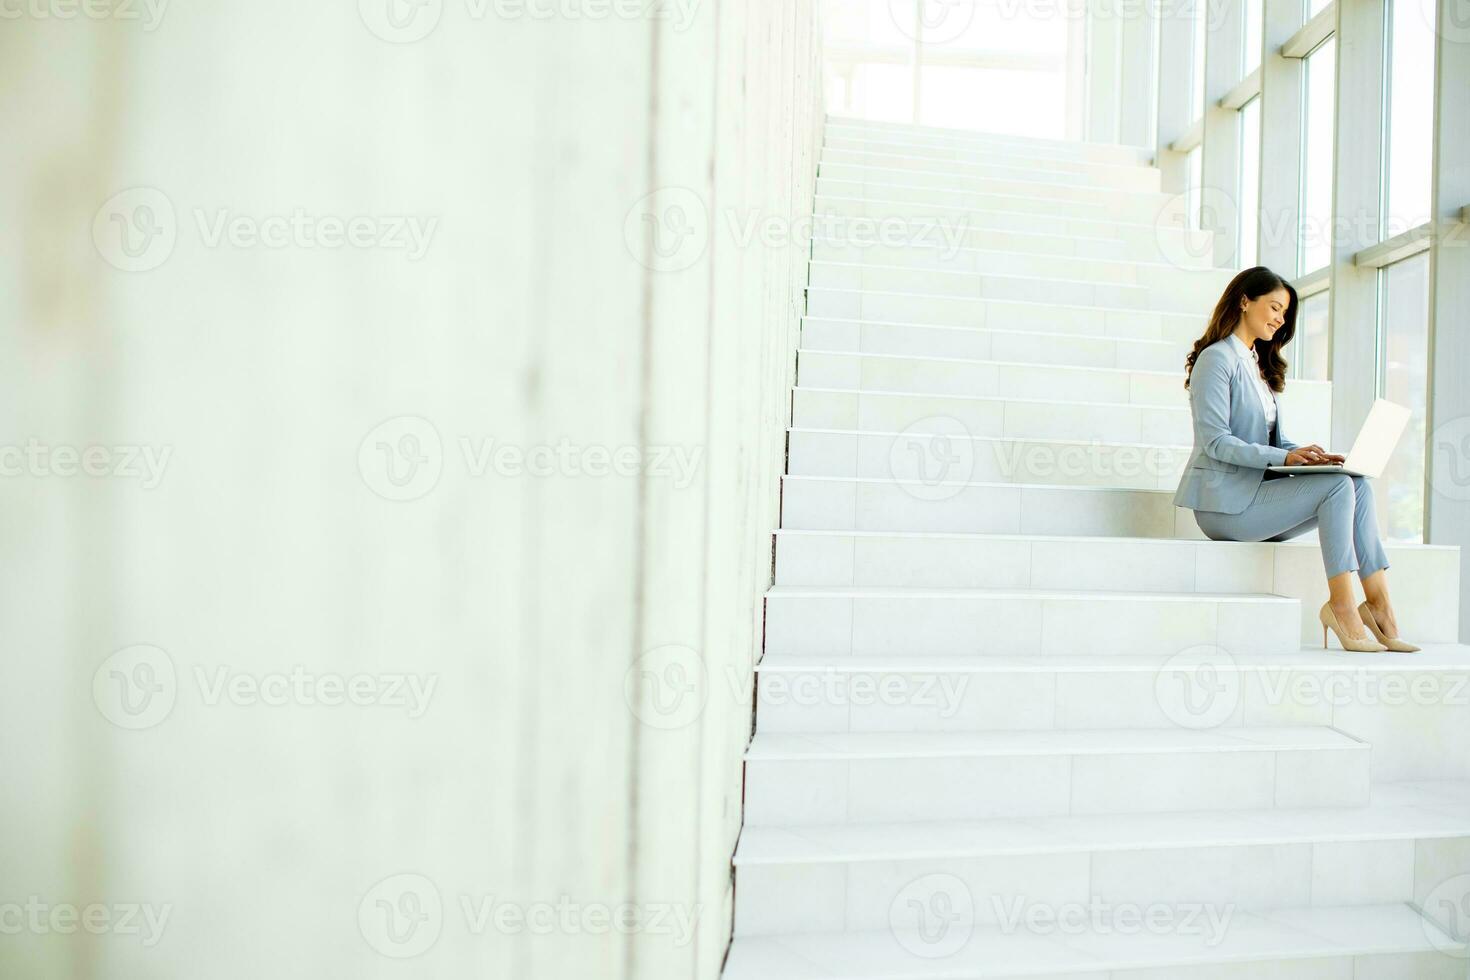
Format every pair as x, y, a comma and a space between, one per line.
1015, 716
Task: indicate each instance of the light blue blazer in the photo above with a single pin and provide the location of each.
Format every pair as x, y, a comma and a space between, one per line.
1232, 441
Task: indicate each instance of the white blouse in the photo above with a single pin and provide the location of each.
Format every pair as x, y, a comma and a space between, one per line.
1263, 391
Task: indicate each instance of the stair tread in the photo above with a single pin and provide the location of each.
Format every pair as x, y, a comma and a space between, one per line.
1434, 656
992, 951
1048, 304
901, 592
867, 393
1091, 539
981, 328
1179, 375
1397, 817
786, 746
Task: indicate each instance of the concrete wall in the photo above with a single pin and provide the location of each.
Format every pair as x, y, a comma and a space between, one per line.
390, 382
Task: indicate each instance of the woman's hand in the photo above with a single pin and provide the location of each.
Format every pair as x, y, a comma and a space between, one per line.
1312, 456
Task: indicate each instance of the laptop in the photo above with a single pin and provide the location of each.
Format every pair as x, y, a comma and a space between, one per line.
1375, 443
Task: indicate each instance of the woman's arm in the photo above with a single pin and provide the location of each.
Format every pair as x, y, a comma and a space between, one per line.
1209, 399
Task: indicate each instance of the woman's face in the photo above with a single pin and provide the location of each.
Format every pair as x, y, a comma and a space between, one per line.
1261, 317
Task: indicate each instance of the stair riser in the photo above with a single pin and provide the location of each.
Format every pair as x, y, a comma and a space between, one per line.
1306, 405
900, 230
982, 148
818, 369
1015, 184
1152, 211
978, 343
1426, 580
958, 311
837, 791
925, 282
1047, 172
940, 463
1213, 881
1025, 625
874, 412
926, 247
884, 505
1194, 692
1169, 243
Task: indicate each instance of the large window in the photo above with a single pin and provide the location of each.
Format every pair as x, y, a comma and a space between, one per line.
1410, 115
1197, 59
1196, 179
1250, 180
1403, 345
1251, 56
1315, 239
983, 66
1308, 350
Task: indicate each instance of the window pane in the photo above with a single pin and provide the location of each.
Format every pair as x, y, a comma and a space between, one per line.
1313, 6
1404, 331
962, 97
1250, 180
1308, 353
1315, 239
1252, 54
1197, 78
869, 91
1196, 175
1410, 115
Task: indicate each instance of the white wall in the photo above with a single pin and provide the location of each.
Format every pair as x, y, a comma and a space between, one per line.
268, 541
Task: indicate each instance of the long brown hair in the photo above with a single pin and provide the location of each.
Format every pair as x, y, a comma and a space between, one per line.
1253, 283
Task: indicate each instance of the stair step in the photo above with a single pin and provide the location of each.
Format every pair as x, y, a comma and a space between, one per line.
990, 343
863, 777
1152, 208
1427, 575
899, 229
1061, 171
1097, 153
984, 415
938, 463
1041, 184
1393, 941
846, 877
972, 284
810, 620
1411, 708
837, 242
1143, 237
883, 503
1010, 314
861, 371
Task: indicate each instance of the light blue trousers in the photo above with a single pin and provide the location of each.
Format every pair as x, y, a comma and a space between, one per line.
1338, 505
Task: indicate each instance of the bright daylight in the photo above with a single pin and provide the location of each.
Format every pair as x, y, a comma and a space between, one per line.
735, 490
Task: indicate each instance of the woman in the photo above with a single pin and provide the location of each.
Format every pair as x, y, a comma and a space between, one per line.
1232, 376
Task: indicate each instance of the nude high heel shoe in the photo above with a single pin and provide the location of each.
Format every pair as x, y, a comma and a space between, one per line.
1329, 622
1397, 646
